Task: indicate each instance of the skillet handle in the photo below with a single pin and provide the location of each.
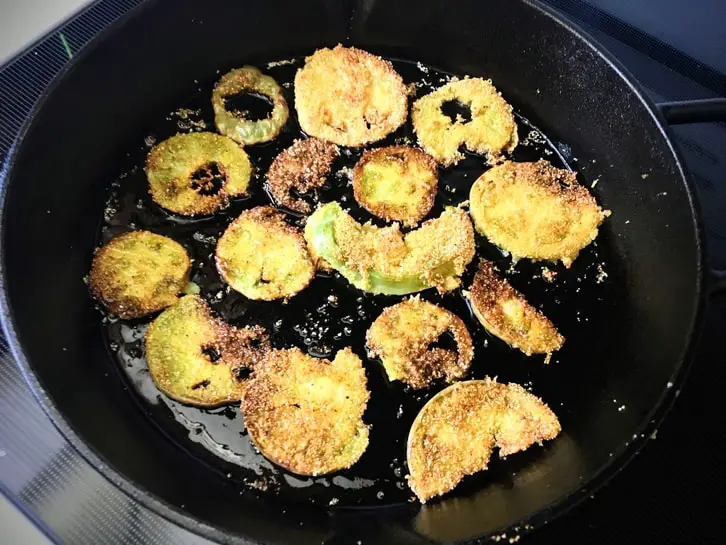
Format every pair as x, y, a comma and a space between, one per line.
708, 110
716, 282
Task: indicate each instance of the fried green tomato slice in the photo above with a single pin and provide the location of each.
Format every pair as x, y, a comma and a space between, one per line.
197, 173
248, 79
263, 257
506, 314
491, 130
383, 260
306, 414
456, 432
349, 96
195, 358
138, 273
302, 168
397, 183
402, 337
535, 210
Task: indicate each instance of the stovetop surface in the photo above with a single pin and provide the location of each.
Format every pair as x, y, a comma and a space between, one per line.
671, 493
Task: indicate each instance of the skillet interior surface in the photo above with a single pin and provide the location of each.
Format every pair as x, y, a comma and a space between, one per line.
330, 314
626, 335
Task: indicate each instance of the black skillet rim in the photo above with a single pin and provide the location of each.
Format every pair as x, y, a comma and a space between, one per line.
180, 517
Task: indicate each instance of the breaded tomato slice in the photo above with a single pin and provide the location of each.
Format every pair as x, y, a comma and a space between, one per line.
492, 129
456, 432
306, 414
263, 257
535, 210
396, 183
384, 260
402, 337
196, 358
138, 273
349, 97
197, 173
506, 314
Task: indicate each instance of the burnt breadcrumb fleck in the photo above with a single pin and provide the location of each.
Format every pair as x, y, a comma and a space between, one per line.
139, 273
349, 97
456, 432
506, 314
535, 210
396, 183
402, 337
306, 414
492, 129
196, 358
263, 257
302, 168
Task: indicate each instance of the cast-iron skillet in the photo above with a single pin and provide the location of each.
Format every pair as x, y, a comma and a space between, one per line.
611, 388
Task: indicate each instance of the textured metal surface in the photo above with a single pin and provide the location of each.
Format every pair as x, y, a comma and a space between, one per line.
47, 475
663, 496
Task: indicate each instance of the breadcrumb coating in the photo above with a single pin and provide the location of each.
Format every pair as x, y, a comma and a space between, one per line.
402, 336
349, 97
506, 314
535, 210
138, 273
195, 358
492, 129
456, 432
306, 414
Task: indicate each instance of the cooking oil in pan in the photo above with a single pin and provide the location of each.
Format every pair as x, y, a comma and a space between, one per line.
330, 315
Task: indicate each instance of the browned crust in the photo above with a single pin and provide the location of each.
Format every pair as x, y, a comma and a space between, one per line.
268, 215
270, 218
401, 336
335, 99
238, 349
306, 414
302, 167
106, 285
456, 432
413, 212
563, 216
530, 331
